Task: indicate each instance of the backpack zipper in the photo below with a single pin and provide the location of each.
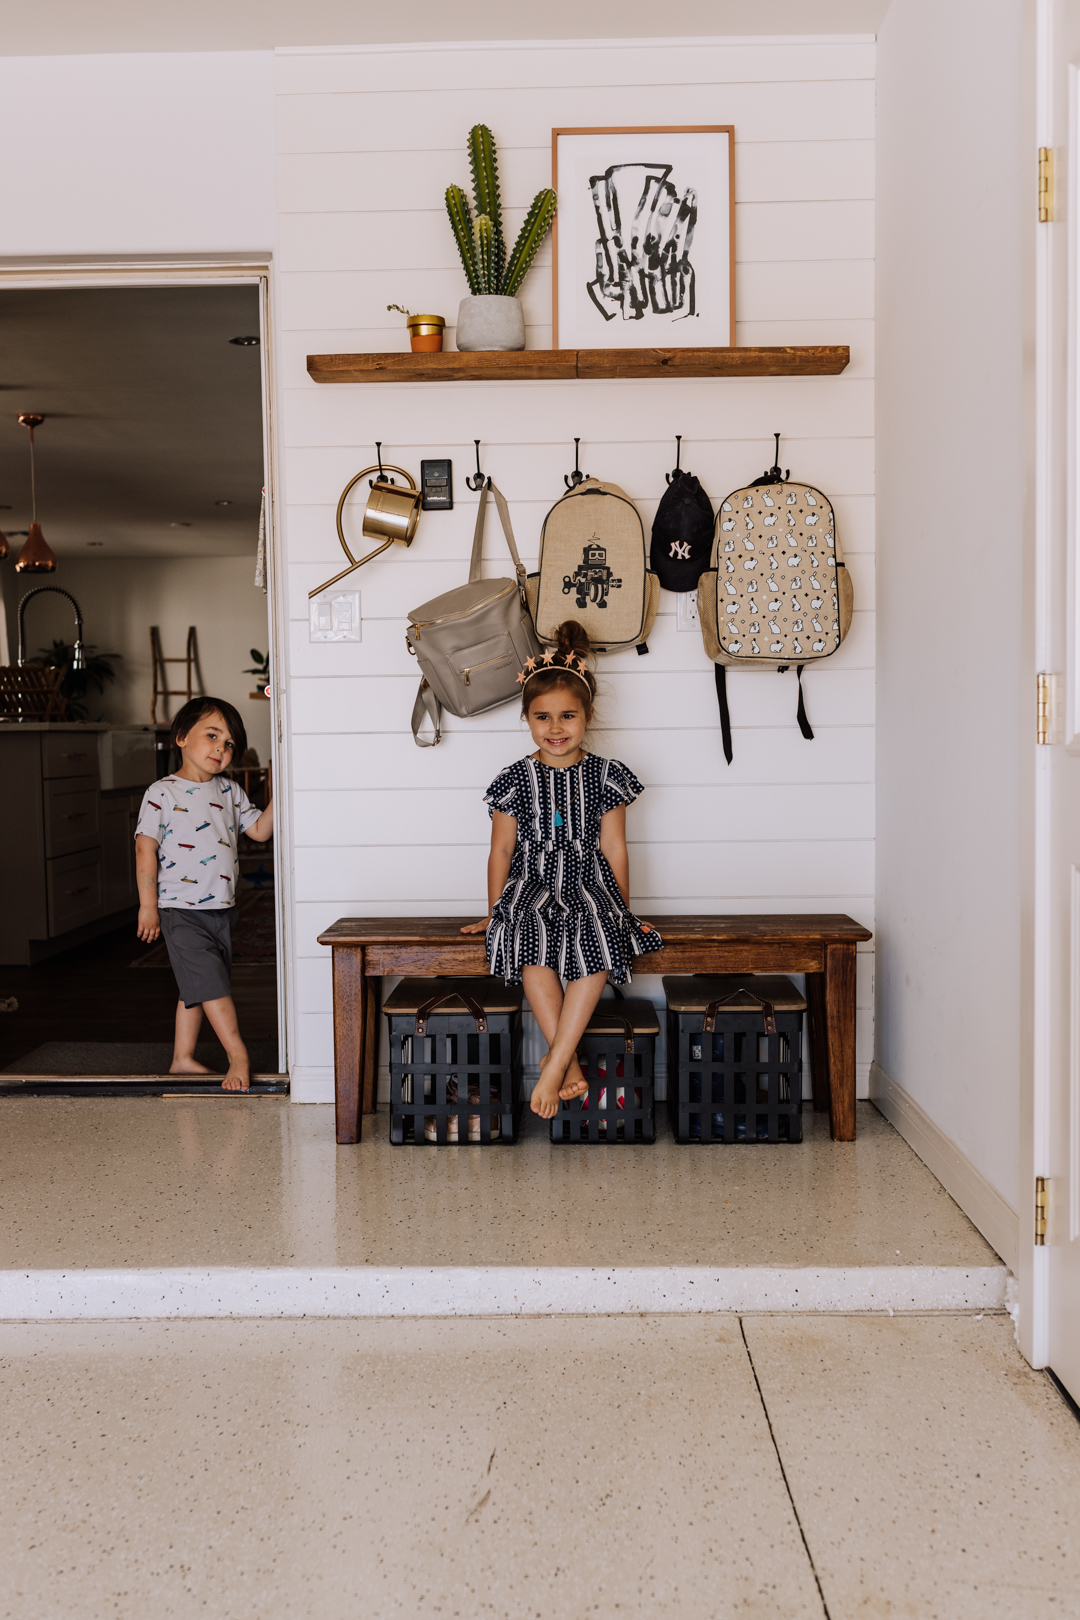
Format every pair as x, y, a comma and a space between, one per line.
465, 673
447, 618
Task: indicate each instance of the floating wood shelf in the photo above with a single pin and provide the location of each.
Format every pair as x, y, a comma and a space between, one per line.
537, 365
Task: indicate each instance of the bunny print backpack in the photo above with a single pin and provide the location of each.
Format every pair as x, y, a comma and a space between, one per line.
776, 592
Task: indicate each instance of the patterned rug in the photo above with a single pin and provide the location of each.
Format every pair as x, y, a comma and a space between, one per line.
254, 938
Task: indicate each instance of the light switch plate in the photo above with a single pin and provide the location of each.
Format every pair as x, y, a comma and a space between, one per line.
335, 616
686, 611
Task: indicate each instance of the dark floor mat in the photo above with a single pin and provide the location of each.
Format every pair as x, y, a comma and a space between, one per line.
130, 1057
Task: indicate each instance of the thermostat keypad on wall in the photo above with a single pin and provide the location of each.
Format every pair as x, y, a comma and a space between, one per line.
437, 484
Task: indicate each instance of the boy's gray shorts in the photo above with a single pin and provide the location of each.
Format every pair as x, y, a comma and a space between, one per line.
199, 944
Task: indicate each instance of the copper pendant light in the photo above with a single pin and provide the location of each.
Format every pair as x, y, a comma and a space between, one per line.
36, 557
5, 549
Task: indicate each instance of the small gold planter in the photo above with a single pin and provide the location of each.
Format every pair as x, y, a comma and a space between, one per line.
425, 333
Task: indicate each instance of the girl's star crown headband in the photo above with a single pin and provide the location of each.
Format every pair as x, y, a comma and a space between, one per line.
571, 664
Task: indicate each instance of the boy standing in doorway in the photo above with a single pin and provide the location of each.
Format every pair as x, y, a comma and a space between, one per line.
187, 865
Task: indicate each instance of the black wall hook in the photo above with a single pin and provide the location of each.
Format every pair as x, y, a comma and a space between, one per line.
773, 475
572, 480
677, 472
477, 481
383, 478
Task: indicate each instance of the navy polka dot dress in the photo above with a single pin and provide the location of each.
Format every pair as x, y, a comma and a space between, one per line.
561, 907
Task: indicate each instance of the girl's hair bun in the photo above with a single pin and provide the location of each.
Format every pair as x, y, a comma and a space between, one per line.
571, 641
572, 637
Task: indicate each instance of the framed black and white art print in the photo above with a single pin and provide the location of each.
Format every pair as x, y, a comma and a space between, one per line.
644, 238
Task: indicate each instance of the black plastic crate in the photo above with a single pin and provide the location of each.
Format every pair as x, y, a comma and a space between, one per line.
617, 1054
455, 1061
734, 1058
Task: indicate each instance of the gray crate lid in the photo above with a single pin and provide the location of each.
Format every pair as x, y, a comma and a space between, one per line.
641, 1013
692, 992
492, 994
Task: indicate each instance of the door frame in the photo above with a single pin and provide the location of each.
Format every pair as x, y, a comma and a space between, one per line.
192, 270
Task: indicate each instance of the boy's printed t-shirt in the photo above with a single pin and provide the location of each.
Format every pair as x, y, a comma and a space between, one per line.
196, 826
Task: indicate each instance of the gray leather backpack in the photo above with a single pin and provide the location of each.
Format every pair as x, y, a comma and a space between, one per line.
471, 642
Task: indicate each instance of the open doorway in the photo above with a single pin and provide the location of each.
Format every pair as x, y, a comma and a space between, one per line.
150, 472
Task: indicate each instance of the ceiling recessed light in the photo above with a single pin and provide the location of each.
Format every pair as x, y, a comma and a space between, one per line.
223, 503
5, 508
95, 542
179, 525
245, 342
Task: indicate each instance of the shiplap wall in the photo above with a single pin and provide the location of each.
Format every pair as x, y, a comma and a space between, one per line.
368, 139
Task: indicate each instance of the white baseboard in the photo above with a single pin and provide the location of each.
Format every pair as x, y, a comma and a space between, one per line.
311, 1085
981, 1203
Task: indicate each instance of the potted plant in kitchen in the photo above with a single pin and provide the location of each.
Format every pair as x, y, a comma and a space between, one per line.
491, 317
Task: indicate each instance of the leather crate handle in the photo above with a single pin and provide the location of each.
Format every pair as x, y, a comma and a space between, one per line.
628, 1029
470, 1004
767, 1014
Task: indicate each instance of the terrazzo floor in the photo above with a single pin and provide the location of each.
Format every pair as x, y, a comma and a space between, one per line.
258, 1182
535, 1469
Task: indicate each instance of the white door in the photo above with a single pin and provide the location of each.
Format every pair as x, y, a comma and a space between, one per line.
1055, 1294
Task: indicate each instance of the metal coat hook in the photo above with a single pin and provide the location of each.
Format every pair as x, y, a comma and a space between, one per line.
677, 472
477, 481
773, 475
383, 478
572, 480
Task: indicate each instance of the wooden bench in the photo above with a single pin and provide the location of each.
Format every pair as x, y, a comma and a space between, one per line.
822, 947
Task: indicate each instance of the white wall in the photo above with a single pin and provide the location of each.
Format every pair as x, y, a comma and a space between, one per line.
367, 142
137, 154
956, 185
121, 598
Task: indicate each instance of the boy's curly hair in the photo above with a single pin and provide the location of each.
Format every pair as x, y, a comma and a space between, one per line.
571, 640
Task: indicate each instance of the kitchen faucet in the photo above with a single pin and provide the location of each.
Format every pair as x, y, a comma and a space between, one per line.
78, 660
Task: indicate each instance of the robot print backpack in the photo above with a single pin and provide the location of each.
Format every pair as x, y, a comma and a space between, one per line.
594, 567
776, 592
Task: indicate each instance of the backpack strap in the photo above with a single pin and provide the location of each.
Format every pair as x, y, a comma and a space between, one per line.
476, 561
426, 704
800, 713
720, 671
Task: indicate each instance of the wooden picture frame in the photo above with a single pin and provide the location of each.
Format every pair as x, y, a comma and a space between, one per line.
680, 305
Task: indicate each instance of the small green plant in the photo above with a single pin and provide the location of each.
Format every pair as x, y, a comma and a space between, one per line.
400, 312
480, 240
261, 663
76, 683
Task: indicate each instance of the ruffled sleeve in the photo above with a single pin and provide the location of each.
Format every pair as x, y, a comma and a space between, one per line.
620, 786
505, 793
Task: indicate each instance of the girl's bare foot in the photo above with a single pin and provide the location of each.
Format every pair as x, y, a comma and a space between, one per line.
188, 1065
545, 1094
237, 1079
574, 1082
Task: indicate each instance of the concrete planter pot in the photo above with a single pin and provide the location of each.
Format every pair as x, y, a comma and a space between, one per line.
490, 322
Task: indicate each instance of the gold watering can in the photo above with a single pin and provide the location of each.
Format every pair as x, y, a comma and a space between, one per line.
391, 515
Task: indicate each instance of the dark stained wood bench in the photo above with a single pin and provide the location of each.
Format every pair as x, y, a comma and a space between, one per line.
822, 947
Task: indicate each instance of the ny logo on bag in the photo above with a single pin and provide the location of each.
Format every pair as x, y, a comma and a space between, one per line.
592, 578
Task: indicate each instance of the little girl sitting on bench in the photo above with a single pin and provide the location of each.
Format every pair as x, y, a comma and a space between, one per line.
558, 873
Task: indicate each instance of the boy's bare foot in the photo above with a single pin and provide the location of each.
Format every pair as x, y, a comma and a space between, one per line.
574, 1082
237, 1079
188, 1066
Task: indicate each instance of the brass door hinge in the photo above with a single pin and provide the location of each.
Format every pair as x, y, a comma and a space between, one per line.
1041, 1183
1043, 699
1046, 184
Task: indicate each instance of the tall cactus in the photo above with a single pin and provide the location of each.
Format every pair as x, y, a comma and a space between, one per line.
480, 241
485, 175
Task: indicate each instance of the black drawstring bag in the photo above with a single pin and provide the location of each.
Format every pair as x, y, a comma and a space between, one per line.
682, 534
